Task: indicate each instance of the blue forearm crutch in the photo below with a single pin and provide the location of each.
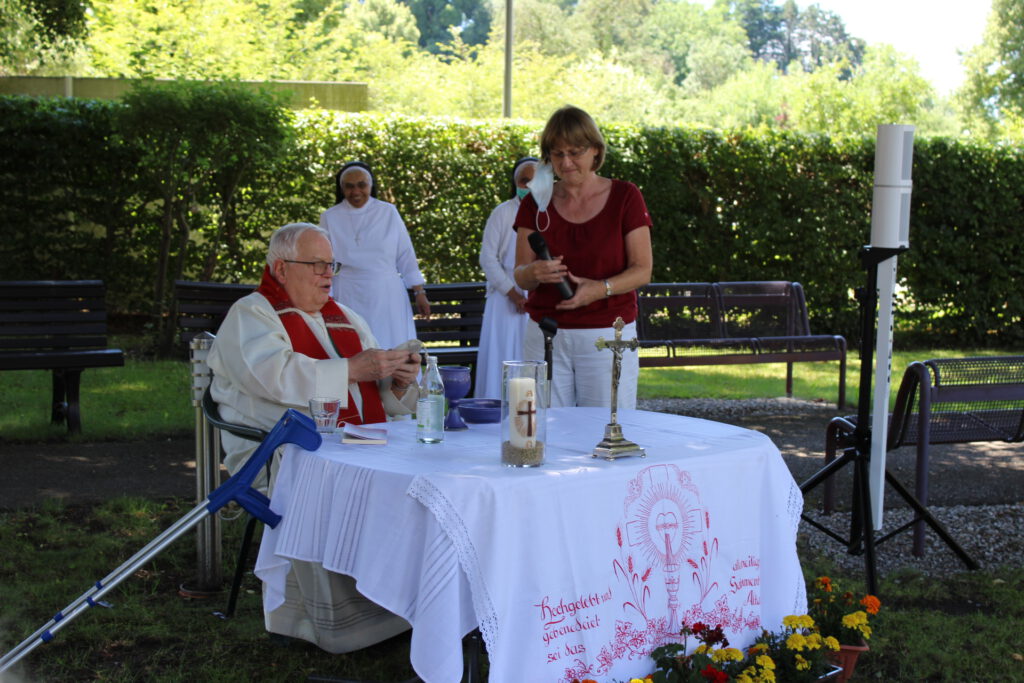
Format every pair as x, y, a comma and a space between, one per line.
293, 427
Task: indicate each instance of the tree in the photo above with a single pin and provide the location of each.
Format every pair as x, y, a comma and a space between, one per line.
697, 46
786, 34
886, 88
435, 19
541, 25
60, 18
37, 37
993, 93
238, 39
613, 24
761, 19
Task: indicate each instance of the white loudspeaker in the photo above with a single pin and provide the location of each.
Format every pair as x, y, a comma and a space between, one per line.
890, 228
890, 205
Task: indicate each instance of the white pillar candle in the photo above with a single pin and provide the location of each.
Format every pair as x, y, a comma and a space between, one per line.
522, 404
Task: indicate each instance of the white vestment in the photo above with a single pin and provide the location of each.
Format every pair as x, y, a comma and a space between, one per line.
378, 265
256, 377
501, 335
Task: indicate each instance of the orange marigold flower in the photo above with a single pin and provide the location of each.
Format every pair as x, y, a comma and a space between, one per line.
825, 584
871, 604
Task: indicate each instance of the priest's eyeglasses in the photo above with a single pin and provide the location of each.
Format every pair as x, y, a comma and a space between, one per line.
320, 267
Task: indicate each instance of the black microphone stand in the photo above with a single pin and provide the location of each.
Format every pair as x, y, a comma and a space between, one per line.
549, 327
858, 449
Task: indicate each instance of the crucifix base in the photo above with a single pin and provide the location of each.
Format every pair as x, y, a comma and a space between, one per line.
614, 445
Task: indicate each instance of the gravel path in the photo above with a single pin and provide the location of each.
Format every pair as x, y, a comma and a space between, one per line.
977, 490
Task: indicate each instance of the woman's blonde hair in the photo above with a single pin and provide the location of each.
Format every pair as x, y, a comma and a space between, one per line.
574, 127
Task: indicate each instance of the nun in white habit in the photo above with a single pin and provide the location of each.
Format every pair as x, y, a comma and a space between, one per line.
501, 336
378, 263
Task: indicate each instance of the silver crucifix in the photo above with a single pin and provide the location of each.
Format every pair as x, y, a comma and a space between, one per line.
614, 445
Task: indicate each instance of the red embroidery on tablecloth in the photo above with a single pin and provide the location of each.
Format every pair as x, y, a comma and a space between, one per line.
666, 533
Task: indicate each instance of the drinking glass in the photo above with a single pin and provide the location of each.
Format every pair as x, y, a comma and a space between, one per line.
324, 411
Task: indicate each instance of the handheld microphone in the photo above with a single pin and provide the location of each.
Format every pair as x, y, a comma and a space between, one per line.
540, 247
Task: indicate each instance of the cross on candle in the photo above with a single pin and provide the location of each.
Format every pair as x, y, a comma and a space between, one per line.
529, 413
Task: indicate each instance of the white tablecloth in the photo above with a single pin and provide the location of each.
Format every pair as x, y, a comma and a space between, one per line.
578, 568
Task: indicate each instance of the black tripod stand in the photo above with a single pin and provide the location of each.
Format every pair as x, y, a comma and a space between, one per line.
857, 447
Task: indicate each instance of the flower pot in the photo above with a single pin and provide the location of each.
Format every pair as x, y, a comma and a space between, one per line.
846, 657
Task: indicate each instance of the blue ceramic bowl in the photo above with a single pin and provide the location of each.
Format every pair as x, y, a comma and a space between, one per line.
480, 410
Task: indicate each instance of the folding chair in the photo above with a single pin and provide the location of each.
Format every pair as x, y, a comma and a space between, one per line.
212, 414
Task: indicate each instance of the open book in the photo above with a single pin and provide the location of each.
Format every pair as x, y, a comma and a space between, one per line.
366, 435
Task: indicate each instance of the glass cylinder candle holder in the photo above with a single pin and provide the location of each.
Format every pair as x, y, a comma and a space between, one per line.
523, 412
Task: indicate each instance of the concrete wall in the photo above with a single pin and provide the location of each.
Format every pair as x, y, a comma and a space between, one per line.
340, 96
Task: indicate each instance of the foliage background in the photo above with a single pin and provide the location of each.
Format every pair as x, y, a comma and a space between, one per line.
84, 193
728, 63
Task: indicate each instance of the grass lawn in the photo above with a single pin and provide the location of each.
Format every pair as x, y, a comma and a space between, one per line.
964, 628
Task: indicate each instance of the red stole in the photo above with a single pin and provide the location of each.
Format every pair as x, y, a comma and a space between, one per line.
343, 336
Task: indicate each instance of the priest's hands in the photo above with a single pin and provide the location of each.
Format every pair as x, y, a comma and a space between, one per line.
374, 364
405, 374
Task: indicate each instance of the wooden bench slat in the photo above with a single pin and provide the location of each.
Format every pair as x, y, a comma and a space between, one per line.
49, 360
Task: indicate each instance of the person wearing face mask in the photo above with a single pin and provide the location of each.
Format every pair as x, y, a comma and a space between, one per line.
501, 335
598, 233
377, 259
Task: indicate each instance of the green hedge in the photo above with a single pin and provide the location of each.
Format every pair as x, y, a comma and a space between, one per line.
726, 206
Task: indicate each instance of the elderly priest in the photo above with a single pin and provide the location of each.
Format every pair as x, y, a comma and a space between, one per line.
278, 347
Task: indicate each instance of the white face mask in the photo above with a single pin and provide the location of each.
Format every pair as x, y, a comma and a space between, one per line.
541, 186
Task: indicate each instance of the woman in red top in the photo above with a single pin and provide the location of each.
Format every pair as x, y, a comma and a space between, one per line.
598, 233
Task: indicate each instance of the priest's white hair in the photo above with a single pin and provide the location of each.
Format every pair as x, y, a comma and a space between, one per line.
284, 241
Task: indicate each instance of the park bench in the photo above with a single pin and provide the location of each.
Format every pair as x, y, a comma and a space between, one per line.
201, 306
56, 325
943, 401
726, 323
452, 332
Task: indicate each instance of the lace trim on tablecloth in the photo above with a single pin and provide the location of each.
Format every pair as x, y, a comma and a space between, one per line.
451, 523
794, 508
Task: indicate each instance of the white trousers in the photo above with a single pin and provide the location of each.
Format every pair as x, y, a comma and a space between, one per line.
582, 374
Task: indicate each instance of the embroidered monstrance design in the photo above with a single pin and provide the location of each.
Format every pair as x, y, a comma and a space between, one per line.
665, 522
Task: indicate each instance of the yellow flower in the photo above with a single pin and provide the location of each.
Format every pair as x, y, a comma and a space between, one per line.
757, 647
727, 654
814, 641
831, 643
765, 662
855, 619
802, 664
767, 676
702, 648
795, 621
796, 641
